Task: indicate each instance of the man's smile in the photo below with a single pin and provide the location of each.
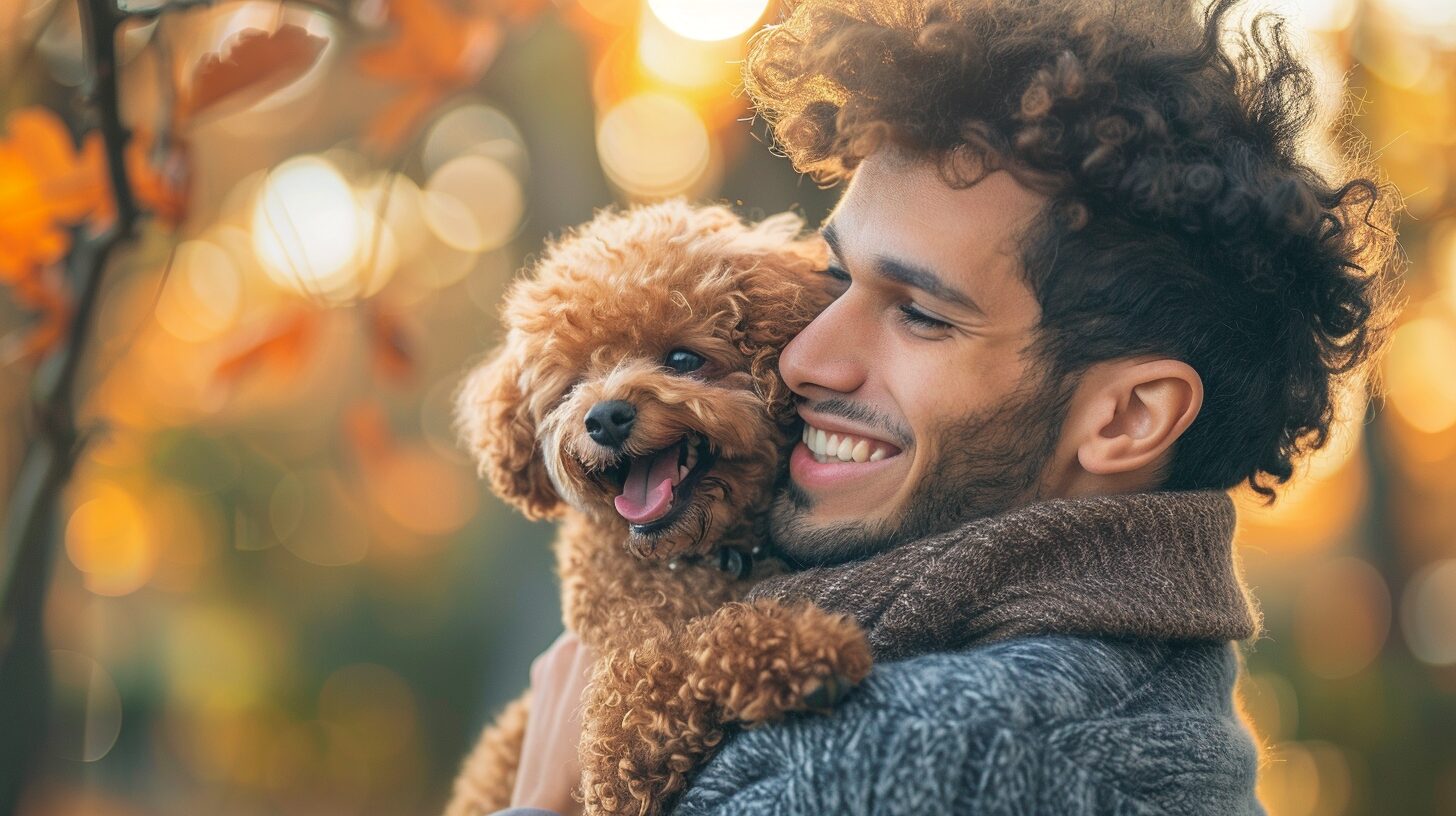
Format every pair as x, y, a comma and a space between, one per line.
831, 453
846, 447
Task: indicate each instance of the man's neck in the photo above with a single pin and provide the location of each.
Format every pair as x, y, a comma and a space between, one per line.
1148, 565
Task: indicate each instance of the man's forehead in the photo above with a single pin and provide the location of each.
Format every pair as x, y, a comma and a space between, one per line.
907, 208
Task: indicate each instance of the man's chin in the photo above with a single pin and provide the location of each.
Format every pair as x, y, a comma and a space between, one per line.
804, 542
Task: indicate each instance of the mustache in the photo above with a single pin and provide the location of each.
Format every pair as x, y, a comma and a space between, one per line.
864, 415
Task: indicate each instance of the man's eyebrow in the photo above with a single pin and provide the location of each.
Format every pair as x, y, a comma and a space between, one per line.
909, 274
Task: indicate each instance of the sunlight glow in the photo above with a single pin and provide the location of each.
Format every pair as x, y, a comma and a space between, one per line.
312, 235
708, 19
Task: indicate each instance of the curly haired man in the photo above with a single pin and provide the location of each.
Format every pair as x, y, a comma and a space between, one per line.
1090, 281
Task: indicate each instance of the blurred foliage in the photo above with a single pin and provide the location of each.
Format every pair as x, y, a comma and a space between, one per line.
281, 587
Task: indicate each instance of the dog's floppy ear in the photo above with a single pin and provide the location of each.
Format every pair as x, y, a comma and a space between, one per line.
784, 289
494, 420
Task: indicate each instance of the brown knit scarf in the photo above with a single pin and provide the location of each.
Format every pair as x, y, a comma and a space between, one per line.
1149, 565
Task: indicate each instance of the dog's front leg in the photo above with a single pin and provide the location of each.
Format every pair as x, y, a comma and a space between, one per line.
643, 730
759, 660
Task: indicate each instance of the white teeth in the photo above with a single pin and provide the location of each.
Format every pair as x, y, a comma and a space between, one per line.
682, 472
829, 447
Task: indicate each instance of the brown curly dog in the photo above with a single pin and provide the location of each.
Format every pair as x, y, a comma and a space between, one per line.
637, 396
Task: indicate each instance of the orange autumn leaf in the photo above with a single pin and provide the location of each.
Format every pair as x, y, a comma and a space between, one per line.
435, 51
254, 61
285, 344
45, 294
160, 186
393, 123
46, 185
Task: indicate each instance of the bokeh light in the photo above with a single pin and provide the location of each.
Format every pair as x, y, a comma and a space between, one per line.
680, 61
422, 493
1428, 613
1342, 615
1433, 17
652, 145
473, 203
107, 539
316, 518
474, 129
1418, 374
308, 229
708, 19
202, 296
88, 706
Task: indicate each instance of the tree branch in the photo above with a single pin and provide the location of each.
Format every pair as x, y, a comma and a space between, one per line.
339, 11
31, 526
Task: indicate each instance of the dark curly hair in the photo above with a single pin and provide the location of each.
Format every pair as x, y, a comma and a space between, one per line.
1184, 220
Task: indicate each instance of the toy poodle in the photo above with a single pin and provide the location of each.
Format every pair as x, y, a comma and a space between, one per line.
636, 396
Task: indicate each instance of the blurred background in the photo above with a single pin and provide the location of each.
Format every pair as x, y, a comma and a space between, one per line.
281, 589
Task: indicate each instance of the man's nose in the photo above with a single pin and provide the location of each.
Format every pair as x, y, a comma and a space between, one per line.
827, 353
610, 423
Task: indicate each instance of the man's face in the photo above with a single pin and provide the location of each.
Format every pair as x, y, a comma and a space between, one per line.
922, 364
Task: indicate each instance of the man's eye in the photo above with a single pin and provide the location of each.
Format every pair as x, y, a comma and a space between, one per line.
682, 361
838, 273
914, 317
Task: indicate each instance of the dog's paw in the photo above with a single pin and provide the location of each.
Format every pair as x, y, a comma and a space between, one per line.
758, 661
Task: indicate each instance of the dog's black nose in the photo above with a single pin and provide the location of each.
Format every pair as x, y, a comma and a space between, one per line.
610, 423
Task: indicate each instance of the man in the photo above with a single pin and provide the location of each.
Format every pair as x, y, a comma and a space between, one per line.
1088, 284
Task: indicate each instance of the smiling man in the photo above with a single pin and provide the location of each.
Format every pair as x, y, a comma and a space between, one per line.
955, 419
1088, 282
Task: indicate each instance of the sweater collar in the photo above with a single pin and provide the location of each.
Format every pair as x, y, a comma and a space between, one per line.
1155, 566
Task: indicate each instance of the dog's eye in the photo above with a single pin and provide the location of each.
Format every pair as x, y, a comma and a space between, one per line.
682, 361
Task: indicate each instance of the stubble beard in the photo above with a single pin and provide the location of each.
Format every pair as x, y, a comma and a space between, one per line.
986, 463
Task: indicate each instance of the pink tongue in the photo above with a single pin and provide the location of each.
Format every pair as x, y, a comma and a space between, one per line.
647, 495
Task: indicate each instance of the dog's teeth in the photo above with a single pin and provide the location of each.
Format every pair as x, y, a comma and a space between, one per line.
682, 472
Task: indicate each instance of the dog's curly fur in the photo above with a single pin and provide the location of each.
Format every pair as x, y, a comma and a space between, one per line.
680, 659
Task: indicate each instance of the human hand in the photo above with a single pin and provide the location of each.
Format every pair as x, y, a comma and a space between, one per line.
549, 769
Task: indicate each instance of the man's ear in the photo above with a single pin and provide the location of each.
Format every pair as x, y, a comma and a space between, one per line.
494, 420
1128, 414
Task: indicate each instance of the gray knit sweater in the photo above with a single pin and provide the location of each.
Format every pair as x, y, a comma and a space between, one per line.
1053, 725
1070, 657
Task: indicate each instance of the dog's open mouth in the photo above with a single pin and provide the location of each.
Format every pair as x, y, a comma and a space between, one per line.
656, 487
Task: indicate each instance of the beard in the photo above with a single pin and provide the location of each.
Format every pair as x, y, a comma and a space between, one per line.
986, 463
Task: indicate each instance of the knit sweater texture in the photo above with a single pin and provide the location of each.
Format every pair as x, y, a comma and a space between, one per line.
1069, 657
